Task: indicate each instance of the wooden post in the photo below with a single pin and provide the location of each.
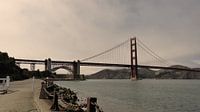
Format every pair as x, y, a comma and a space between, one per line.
91, 104
55, 106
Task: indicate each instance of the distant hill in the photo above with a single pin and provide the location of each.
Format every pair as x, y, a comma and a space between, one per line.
145, 73
110, 74
120, 74
178, 74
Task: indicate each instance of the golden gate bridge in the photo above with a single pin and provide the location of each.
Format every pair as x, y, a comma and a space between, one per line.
122, 55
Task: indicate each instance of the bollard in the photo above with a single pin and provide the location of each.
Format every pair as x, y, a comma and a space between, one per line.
55, 107
91, 104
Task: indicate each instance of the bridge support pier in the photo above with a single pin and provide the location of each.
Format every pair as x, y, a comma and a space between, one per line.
48, 64
76, 70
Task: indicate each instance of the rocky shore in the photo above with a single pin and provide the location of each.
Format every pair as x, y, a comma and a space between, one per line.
65, 100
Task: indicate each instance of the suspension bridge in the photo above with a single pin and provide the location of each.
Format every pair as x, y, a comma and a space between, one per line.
125, 54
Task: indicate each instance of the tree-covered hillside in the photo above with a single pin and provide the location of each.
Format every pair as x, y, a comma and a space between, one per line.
8, 68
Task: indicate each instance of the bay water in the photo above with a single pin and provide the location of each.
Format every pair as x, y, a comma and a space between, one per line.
140, 96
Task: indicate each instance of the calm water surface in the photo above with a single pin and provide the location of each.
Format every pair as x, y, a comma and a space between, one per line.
142, 95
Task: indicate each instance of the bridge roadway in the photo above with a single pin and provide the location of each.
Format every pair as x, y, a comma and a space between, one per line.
28, 61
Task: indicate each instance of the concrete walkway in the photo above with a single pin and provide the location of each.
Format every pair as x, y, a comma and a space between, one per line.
20, 98
43, 105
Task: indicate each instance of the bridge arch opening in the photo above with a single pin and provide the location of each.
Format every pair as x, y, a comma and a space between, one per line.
63, 72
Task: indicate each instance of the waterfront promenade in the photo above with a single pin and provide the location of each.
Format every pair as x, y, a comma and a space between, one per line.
21, 98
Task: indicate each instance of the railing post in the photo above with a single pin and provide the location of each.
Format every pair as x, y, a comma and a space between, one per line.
55, 106
91, 104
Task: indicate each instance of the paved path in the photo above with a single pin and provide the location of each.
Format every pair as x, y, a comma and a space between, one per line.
43, 105
20, 98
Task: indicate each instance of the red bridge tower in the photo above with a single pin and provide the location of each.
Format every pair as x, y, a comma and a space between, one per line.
134, 63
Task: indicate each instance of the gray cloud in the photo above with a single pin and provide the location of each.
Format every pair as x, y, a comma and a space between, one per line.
74, 29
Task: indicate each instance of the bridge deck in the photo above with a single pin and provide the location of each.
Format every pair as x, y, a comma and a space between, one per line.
28, 61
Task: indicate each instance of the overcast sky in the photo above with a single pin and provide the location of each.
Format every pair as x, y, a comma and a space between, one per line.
75, 29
